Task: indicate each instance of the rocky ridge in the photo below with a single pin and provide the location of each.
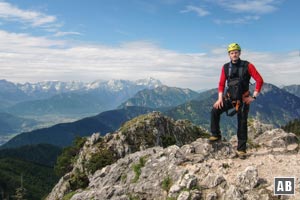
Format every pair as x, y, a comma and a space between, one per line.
138, 134
196, 170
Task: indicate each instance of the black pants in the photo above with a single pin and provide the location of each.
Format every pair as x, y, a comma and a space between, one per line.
242, 116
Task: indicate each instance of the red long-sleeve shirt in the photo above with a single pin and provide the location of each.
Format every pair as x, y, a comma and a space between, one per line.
253, 73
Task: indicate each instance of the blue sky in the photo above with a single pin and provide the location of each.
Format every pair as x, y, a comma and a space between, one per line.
181, 42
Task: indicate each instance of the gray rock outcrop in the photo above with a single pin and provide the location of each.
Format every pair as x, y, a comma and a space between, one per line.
195, 170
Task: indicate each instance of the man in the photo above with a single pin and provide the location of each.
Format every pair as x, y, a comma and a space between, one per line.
237, 73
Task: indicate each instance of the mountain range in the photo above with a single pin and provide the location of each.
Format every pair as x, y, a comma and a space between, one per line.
63, 134
159, 97
10, 94
268, 108
162, 97
274, 105
293, 89
51, 102
74, 98
42, 90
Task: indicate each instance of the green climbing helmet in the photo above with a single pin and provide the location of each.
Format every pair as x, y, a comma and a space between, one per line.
233, 46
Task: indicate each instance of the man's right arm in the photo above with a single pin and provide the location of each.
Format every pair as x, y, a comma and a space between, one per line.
222, 81
219, 103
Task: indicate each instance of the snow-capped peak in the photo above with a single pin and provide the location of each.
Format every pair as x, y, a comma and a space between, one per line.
49, 88
150, 82
94, 84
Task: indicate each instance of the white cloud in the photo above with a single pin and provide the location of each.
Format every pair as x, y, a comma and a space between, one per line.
61, 33
26, 58
240, 20
200, 11
20, 42
250, 6
253, 9
12, 13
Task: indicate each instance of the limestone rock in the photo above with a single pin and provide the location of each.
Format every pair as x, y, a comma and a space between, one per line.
191, 169
185, 195
278, 139
212, 180
140, 133
256, 128
195, 195
212, 196
247, 179
233, 193
189, 181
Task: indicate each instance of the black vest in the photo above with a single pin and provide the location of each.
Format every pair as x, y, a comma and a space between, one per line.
238, 70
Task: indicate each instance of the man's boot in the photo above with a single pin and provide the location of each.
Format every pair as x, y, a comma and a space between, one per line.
241, 154
214, 138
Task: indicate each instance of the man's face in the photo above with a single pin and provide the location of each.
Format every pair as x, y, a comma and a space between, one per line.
234, 55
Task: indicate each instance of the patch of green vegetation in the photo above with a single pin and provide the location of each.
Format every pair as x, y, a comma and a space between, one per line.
99, 140
69, 195
225, 165
99, 160
78, 180
142, 135
132, 197
140, 119
250, 121
124, 178
171, 198
144, 138
167, 183
69, 154
293, 127
205, 134
197, 187
137, 168
168, 140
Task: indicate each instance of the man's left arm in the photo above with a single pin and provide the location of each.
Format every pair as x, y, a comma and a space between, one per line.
257, 77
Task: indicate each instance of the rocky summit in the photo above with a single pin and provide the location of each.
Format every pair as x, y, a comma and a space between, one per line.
190, 168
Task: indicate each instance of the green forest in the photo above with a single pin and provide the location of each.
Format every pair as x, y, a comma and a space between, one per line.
37, 180
27, 172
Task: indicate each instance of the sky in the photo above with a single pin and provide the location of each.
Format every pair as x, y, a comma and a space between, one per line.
180, 42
